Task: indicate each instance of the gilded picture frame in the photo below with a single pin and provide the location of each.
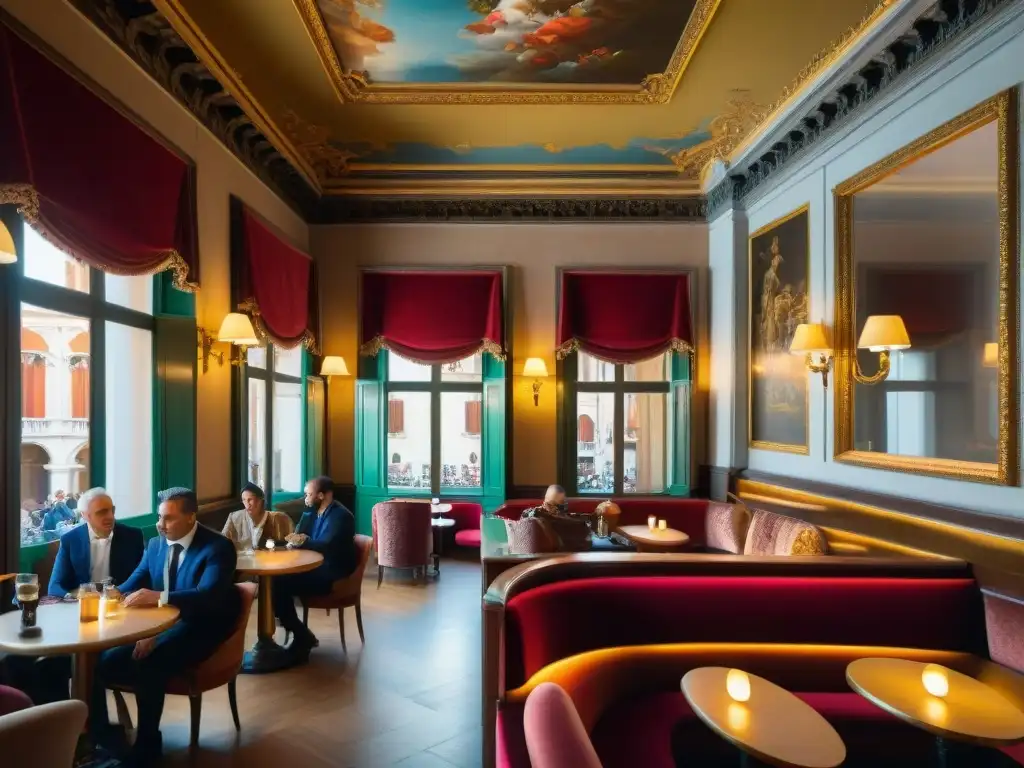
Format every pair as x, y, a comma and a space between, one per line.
779, 268
1003, 110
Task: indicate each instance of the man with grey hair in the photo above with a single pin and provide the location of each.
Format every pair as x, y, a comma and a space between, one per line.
99, 549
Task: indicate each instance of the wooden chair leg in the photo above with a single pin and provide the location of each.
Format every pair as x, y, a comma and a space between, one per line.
341, 629
196, 706
380, 575
124, 717
305, 615
359, 622
233, 701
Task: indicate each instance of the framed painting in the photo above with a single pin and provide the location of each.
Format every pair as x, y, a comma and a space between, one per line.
779, 259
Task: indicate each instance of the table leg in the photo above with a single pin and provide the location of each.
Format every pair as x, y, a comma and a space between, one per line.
941, 752
266, 655
83, 667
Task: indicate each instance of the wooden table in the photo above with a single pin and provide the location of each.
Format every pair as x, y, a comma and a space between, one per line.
656, 540
266, 655
63, 634
773, 725
970, 712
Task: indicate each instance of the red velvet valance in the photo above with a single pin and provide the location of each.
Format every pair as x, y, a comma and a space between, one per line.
277, 283
86, 177
624, 317
432, 316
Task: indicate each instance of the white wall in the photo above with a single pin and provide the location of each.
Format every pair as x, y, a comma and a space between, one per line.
989, 67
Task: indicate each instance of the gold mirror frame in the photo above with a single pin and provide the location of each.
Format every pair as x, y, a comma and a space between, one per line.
1002, 108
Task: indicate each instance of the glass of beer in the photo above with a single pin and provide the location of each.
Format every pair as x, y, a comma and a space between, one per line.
88, 603
26, 590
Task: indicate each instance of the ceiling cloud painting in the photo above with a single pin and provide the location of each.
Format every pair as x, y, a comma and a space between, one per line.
527, 42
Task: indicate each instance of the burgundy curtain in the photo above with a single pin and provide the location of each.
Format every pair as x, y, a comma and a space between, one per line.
432, 317
277, 282
86, 177
624, 317
934, 305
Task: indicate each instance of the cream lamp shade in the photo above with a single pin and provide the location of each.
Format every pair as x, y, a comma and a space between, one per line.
990, 357
883, 333
7, 253
237, 329
535, 367
334, 366
809, 339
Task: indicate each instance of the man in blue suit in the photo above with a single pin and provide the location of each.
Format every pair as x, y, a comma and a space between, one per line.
192, 568
99, 550
326, 527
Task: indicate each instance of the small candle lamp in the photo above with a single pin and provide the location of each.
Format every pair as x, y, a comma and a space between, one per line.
652, 522
435, 502
935, 680
270, 545
662, 525
737, 685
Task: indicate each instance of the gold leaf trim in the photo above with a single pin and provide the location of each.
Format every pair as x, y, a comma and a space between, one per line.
675, 344
373, 347
26, 198
252, 308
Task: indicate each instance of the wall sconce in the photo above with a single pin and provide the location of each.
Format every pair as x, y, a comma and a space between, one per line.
538, 369
8, 255
237, 330
990, 356
206, 342
333, 366
809, 339
882, 334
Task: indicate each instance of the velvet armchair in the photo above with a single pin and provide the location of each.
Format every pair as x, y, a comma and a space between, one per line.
403, 535
467, 516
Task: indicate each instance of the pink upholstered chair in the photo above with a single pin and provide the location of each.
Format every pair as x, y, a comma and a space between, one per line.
467, 517
403, 536
555, 736
12, 700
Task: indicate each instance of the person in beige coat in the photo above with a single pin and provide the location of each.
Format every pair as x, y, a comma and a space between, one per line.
253, 526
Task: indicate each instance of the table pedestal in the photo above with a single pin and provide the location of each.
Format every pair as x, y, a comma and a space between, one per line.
266, 655
83, 668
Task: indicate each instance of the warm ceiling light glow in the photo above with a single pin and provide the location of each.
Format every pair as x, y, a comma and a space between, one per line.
809, 339
990, 357
737, 684
935, 679
884, 333
535, 367
237, 329
334, 366
7, 253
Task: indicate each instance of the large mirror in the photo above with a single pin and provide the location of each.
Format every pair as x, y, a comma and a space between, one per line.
927, 249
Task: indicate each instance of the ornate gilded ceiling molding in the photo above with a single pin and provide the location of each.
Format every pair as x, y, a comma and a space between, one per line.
355, 86
739, 118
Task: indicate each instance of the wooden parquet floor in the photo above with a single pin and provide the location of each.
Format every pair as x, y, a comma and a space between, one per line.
410, 698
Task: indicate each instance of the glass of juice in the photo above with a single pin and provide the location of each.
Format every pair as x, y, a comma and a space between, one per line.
88, 603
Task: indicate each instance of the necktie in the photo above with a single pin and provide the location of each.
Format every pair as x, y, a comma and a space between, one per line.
172, 569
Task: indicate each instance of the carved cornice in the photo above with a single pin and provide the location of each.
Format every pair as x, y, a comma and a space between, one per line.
931, 33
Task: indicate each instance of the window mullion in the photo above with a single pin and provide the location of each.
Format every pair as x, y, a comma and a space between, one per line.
619, 431
435, 430
268, 414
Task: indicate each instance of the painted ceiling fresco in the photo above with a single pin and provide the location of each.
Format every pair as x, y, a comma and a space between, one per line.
505, 41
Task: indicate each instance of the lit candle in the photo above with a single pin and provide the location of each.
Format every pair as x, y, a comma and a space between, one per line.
737, 685
652, 522
271, 544
935, 680
662, 525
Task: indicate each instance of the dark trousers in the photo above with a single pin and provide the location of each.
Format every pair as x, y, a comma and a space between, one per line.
287, 588
45, 680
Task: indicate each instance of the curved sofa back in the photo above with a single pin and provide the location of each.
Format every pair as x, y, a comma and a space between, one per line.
558, 620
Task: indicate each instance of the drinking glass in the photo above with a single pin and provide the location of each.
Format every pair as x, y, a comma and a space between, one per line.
111, 601
88, 603
26, 590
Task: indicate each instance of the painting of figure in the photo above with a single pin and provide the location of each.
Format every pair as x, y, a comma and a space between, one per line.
779, 267
505, 41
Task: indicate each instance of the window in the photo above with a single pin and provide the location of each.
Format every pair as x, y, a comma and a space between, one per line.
275, 399
630, 423
80, 429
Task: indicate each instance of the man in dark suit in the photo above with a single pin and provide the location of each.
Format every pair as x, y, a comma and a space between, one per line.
98, 550
192, 568
326, 527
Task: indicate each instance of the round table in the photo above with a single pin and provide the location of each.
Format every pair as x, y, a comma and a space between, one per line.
773, 725
266, 655
656, 540
440, 509
63, 633
971, 711
439, 524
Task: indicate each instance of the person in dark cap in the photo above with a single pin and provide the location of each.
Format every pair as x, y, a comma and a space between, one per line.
253, 526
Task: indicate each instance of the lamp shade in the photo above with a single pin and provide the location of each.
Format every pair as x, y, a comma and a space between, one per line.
334, 366
7, 253
237, 329
535, 367
990, 357
809, 338
884, 332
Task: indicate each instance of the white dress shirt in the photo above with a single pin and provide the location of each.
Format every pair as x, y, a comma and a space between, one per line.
184, 542
99, 556
256, 531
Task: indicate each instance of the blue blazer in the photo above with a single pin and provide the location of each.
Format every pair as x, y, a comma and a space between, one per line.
73, 566
333, 537
204, 591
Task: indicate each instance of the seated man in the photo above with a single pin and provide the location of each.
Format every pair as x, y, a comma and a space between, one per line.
98, 550
571, 531
253, 526
326, 527
58, 514
192, 568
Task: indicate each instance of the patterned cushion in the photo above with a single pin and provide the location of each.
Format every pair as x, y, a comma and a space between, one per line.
529, 537
726, 527
772, 534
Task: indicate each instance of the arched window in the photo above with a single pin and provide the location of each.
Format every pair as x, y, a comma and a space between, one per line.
585, 429
79, 362
33, 375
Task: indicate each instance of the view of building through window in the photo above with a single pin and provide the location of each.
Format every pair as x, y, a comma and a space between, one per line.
280, 470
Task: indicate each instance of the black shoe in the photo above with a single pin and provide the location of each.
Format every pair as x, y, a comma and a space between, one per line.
145, 753
302, 643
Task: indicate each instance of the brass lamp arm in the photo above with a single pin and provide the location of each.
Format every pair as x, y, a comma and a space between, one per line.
883, 370
823, 366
